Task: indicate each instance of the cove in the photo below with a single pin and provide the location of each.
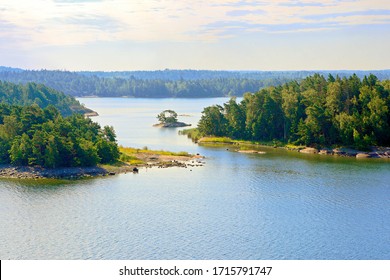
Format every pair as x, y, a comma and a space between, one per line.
276, 205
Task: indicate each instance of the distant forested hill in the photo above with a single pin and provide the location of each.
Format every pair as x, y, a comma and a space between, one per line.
43, 96
166, 83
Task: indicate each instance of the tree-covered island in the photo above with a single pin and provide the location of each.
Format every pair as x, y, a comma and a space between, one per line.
44, 133
168, 118
317, 112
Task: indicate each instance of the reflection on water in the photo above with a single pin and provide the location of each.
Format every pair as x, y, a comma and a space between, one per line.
277, 205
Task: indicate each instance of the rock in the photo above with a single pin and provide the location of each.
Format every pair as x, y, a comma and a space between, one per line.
374, 155
309, 151
325, 152
338, 152
363, 155
91, 114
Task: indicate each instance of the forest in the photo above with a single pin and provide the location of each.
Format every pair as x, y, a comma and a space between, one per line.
32, 93
316, 111
164, 83
30, 135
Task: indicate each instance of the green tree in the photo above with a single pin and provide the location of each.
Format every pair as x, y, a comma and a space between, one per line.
20, 150
213, 121
87, 153
167, 116
38, 146
235, 117
107, 151
109, 133
291, 110
51, 155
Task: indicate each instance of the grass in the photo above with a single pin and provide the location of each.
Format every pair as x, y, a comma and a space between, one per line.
222, 140
196, 136
129, 154
227, 140
192, 133
130, 159
294, 147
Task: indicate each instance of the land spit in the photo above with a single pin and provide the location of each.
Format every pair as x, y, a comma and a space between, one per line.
150, 161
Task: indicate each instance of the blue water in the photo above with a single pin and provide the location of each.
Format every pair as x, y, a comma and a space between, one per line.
278, 205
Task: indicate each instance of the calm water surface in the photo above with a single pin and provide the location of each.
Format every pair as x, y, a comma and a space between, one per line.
280, 205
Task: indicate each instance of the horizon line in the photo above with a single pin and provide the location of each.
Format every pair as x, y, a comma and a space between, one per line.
193, 69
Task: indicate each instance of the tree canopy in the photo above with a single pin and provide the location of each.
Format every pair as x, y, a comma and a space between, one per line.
33, 136
167, 116
316, 111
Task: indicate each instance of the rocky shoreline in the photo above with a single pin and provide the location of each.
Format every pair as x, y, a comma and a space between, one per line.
376, 152
29, 172
174, 124
91, 114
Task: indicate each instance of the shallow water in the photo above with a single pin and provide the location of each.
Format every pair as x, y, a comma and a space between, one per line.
278, 205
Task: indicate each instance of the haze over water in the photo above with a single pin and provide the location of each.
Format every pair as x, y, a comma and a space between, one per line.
278, 205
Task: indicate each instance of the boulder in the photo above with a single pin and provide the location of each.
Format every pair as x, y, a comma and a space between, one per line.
363, 155
309, 151
325, 152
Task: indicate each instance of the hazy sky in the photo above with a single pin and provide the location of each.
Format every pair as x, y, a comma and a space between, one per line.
184, 34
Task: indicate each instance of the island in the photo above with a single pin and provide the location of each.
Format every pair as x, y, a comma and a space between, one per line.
41, 143
168, 118
48, 134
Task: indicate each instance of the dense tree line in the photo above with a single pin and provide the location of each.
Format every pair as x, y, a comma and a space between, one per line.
86, 84
158, 84
316, 111
33, 136
43, 96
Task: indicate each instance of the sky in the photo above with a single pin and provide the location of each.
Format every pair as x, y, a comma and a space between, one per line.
111, 35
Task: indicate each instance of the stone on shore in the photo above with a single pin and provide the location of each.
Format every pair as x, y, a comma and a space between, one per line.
309, 150
325, 151
363, 155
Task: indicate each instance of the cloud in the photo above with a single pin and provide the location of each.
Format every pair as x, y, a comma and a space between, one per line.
11, 35
238, 13
76, 1
302, 16
303, 4
58, 22
348, 14
97, 22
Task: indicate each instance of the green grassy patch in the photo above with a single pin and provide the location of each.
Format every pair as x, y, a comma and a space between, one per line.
294, 147
192, 133
221, 140
129, 153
